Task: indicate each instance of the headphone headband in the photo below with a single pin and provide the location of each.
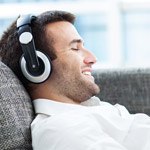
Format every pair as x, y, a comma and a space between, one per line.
25, 20
26, 40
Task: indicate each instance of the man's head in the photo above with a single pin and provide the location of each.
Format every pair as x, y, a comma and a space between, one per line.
55, 35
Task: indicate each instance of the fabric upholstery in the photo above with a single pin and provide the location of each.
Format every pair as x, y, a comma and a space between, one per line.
129, 87
16, 112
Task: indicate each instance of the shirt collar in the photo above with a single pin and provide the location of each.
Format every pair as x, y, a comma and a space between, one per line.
51, 107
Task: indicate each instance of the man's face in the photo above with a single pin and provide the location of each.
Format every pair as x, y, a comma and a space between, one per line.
71, 75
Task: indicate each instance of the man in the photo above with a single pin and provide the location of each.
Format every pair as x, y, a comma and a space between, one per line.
67, 118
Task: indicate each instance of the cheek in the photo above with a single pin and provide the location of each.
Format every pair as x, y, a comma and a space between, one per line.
74, 63
71, 62
61, 66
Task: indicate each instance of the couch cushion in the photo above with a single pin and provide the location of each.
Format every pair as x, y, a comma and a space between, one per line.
16, 112
129, 87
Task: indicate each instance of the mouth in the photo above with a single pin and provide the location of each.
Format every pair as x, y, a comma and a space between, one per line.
88, 74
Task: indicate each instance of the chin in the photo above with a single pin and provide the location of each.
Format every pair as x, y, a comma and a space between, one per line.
90, 92
94, 89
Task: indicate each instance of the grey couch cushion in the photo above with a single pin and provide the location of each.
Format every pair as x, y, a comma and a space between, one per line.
129, 87
16, 112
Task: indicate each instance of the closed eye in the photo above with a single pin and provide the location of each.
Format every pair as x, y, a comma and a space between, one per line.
75, 49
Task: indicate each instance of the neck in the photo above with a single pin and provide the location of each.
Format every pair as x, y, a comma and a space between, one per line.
46, 92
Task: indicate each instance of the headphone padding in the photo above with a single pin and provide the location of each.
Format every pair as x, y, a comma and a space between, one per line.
40, 78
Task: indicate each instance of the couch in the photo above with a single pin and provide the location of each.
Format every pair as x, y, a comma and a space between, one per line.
129, 87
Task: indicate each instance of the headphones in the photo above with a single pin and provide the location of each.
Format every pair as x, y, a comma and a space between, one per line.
35, 65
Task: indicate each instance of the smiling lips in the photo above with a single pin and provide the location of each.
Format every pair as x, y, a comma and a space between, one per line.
88, 74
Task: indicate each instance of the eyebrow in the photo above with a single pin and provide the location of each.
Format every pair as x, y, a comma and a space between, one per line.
76, 41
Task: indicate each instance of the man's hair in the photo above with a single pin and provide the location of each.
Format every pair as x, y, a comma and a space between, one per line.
10, 49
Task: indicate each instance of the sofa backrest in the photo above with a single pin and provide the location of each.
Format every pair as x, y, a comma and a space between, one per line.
128, 87
16, 112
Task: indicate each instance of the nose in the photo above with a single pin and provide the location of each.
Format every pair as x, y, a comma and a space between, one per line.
89, 58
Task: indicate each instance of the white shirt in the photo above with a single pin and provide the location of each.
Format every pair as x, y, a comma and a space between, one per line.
62, 126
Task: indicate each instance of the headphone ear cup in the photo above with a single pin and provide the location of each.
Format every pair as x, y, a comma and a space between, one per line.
43, 72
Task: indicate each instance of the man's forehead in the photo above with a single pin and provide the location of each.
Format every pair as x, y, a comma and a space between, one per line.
64, 30
59, 25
